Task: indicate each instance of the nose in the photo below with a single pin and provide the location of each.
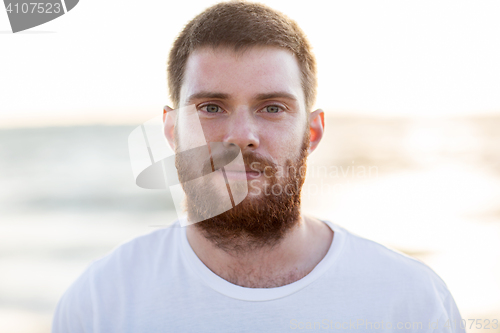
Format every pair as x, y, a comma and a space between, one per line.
241, 130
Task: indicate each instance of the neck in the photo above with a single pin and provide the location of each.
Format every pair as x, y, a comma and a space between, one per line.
300, 250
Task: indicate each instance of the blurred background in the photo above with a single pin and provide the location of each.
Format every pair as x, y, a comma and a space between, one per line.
410, 157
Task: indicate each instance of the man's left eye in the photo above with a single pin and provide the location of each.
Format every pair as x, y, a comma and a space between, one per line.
272, 109
212, 108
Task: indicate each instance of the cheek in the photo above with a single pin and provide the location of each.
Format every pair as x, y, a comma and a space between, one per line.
213, 130
286, 145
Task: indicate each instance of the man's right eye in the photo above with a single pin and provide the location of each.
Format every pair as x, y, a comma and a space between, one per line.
211, 108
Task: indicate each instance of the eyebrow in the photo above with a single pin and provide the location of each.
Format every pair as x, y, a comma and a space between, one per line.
258, 97
275, 94
207, 94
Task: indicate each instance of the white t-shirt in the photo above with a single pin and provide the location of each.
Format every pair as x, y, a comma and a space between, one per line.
156, 283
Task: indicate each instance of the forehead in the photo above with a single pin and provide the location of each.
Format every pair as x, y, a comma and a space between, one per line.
256, 70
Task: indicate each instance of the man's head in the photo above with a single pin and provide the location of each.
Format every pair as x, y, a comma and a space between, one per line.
241, 25
250, 75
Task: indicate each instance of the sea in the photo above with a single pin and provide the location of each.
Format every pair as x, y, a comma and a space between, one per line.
427, 187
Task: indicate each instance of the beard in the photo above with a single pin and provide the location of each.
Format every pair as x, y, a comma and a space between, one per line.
260, 220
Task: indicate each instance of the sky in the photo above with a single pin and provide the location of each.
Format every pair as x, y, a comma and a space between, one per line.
105, 61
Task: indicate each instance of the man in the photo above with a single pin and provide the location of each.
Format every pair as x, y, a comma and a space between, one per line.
248, 73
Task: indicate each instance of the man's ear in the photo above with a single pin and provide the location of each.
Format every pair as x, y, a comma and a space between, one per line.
169, 126
316, 128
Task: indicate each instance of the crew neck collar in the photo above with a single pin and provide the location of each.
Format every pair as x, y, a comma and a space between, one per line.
262, 294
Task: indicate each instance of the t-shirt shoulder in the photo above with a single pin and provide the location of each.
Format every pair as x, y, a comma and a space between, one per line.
141, 247
107, 274
395, 263
400, 278
132, 252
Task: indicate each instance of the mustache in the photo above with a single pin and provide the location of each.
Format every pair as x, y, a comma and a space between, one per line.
252, 162
201, 161
259, 163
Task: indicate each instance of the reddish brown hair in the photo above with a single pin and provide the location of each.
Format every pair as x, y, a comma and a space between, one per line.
241, 24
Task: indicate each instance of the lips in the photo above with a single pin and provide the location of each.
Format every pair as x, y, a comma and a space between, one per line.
235, 173
240, 168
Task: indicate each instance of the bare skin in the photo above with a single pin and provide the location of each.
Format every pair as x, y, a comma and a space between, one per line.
255, 100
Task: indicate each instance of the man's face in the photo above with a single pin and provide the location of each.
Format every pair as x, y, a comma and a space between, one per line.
254, 100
